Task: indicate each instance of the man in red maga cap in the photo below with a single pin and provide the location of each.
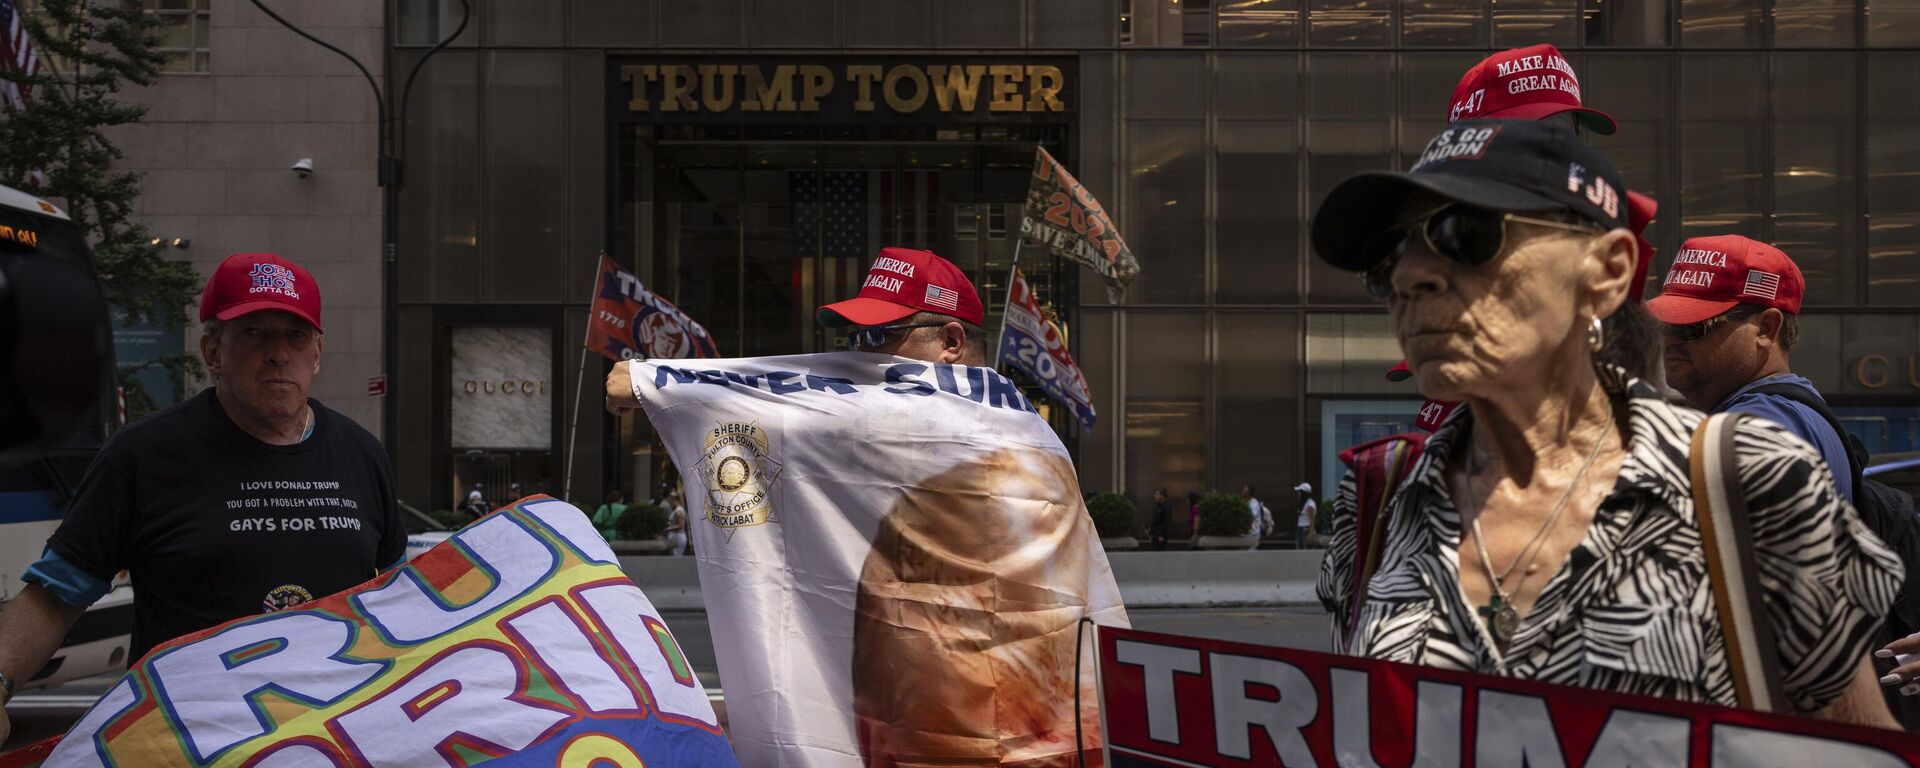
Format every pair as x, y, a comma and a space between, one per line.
247, 498
913, 304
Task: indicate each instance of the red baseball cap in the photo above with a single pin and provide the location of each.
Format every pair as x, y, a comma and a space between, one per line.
1711, 275
901, 282
1524, 84
1640, 212
255, 282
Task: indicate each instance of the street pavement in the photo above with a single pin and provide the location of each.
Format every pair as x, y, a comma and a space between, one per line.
39, 714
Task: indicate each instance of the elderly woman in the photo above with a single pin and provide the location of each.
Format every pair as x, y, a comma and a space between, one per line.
1548, 531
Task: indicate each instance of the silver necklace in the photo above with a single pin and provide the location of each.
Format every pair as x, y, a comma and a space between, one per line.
307, 431
1500, 615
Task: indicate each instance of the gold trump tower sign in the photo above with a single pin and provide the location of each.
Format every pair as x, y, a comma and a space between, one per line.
965, 89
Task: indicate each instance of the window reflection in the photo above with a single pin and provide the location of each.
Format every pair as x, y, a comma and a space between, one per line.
1440, 23
1166, 23
1893, 179
1259, 23
1721, 155
1366, 23
1519, 23
1814, 211
1719, 23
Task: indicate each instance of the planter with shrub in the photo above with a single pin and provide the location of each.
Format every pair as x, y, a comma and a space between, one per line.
1226, 522
642, 529
1113, 518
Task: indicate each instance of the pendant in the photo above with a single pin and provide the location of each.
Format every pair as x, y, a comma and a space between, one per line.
1501, 618
1505, 623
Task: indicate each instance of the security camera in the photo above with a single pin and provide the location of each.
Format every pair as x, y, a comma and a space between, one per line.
303, 167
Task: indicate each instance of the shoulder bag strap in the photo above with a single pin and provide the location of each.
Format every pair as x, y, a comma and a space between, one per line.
1726, 534
1378, 474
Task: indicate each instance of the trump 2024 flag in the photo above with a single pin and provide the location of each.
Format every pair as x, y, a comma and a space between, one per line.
895, 559
518, 642
1035, 346
629, 321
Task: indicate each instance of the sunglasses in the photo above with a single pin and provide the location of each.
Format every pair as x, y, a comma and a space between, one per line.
875, 336
1458, 233
1692, 332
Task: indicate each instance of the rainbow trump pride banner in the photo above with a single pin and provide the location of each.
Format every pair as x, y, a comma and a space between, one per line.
516, 642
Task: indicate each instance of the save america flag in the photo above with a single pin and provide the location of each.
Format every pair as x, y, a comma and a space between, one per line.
895, 559
516, 642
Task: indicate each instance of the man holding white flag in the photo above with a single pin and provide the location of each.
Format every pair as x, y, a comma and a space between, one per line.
895, 547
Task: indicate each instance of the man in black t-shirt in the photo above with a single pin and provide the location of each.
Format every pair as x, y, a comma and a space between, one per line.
249, 497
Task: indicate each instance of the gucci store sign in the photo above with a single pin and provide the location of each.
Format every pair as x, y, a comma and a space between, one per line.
502, 389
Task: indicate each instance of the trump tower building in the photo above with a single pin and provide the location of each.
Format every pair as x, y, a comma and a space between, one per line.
748, 158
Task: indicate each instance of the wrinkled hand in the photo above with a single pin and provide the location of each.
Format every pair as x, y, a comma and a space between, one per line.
620, 397
1904, 674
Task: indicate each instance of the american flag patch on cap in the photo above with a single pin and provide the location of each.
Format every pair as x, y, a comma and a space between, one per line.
943, 298
1765, 285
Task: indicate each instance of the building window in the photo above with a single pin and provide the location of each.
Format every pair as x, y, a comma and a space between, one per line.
182, 30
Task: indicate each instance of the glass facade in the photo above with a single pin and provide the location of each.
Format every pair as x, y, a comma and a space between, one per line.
1210, 128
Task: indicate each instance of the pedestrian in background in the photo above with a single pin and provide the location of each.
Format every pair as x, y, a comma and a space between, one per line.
1262, 517
1161, 520
476, 506
1303, 527
676, 525
1193, 519
1553, 515
607, 517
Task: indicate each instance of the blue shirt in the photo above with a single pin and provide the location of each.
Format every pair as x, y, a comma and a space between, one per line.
1802, 421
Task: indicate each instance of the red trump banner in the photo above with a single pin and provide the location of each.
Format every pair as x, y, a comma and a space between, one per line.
1181, 701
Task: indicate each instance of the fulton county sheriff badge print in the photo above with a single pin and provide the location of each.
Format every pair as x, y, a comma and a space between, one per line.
739, 476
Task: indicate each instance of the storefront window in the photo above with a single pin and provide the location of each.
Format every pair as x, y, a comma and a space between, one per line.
1722, 185
1166, 23
1815, 213
1256, 399
1443, 23
501, 403
1720, 23
1893, 179
1257, 231
1528, 22
1359, 23
1166, 430
1349, 131
1166, 209
1893, 23
1637, 90
1259, 23
1614, 23
1813, 23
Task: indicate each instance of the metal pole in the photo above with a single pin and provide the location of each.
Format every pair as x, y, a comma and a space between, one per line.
580, 384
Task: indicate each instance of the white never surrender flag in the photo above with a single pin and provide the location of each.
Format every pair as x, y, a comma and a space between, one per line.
894, 555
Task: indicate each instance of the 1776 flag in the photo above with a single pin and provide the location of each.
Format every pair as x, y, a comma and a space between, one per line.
630, 321
1063, 216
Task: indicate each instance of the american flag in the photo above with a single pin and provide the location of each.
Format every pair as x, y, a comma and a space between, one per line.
1765, 285
829, 212
943, 298
20, 57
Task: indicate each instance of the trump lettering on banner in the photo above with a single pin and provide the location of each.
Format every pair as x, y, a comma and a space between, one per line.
1181, 701
629, 321
516, 642
1061, 215
1034, 345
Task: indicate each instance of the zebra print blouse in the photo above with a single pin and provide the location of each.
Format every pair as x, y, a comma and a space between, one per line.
1632, 609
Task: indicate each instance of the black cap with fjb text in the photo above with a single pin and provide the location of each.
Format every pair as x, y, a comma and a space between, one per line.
1517, 166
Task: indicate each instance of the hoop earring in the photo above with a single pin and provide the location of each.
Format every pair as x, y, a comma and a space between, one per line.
1596, 335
